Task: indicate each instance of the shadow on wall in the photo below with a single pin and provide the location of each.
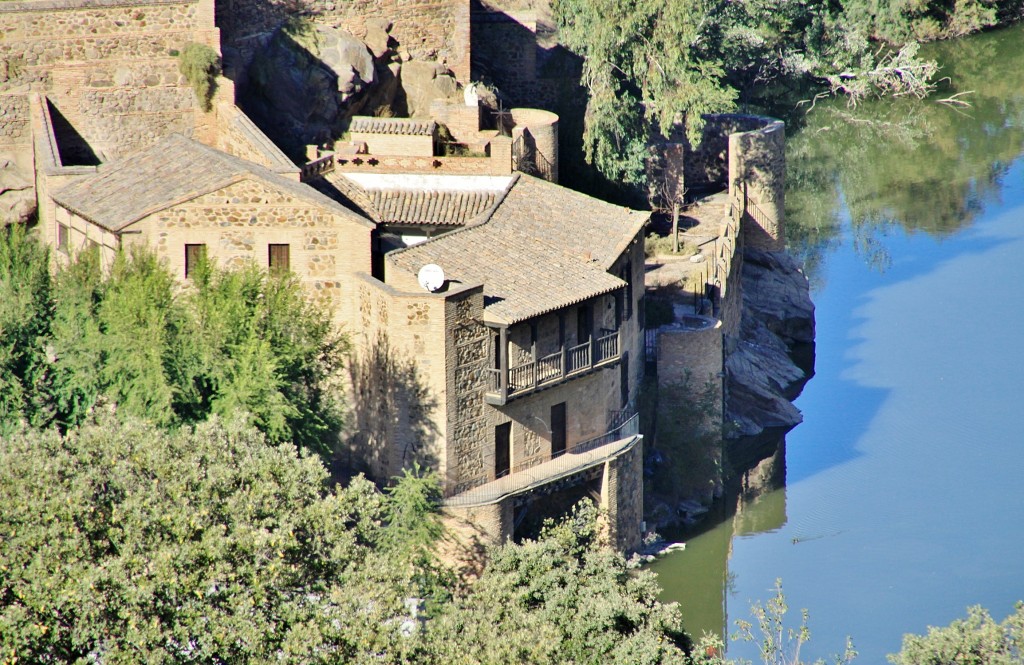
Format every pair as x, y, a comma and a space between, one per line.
389, 424
74, 149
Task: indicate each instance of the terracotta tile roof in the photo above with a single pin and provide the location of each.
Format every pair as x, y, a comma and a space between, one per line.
405, 126
171, 171
432, 205
545, 247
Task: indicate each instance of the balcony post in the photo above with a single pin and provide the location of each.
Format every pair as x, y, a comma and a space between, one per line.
561, 343
533, 351
503, 360
593, 337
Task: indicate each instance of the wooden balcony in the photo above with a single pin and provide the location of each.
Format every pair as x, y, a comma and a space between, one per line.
550, 370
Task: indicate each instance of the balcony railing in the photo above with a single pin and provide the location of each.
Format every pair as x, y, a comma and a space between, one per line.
551, 369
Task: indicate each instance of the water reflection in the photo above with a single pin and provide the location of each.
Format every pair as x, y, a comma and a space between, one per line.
922, 165
903, 481
699, 578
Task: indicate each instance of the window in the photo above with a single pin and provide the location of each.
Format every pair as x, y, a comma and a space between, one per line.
557, 429
194, 255
278, 258
502, 449
63, 237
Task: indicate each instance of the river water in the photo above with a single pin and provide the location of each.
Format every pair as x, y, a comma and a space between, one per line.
903, 500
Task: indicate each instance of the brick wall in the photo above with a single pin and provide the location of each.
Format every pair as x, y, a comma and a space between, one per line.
439, 165
395, 144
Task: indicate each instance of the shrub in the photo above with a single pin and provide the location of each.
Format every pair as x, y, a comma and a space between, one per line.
199, 64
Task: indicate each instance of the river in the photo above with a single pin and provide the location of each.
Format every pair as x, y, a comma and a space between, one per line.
903, 500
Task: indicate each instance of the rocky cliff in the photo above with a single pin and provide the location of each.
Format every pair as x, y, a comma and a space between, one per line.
761, 374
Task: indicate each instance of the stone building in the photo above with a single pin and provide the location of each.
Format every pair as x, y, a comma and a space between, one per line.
534, 386
188, 201
515, 377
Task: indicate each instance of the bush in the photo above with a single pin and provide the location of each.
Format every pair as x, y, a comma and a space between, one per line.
200, 65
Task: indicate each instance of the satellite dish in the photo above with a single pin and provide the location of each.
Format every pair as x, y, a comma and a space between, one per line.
431, 277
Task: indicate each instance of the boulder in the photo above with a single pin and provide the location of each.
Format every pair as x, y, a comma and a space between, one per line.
17, 194
423, 82
378, 38
306, 82
347, 59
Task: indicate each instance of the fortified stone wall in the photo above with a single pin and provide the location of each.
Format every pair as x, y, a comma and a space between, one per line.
530, 70
757, 172
105, 65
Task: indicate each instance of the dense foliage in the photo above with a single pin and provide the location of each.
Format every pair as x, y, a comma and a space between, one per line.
232, 341
652, 67
124, 542
976, 640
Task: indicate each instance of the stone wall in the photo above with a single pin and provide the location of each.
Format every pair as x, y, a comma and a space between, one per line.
236, 224
530, 70
106, 65
538, 130
757, 172
622, 495
420, 397
467, 340
239, 136
15, 130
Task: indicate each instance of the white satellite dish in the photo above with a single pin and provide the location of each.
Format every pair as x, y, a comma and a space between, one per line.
431, 277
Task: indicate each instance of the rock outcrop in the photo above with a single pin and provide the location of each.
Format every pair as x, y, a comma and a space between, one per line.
309, 80
17, 194
762, 376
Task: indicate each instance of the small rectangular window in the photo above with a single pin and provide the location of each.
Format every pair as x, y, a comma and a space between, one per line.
194, 254
502, 449
278, 259
63, 238
558, 438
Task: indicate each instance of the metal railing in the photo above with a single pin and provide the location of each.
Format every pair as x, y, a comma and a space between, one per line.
528, 473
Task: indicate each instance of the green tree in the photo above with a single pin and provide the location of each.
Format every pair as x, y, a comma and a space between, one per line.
654, 68
236, 341
641, 74
121, 542
562, 598
25, 311
975, 640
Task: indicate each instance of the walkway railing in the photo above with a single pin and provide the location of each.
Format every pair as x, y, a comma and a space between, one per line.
539, 470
